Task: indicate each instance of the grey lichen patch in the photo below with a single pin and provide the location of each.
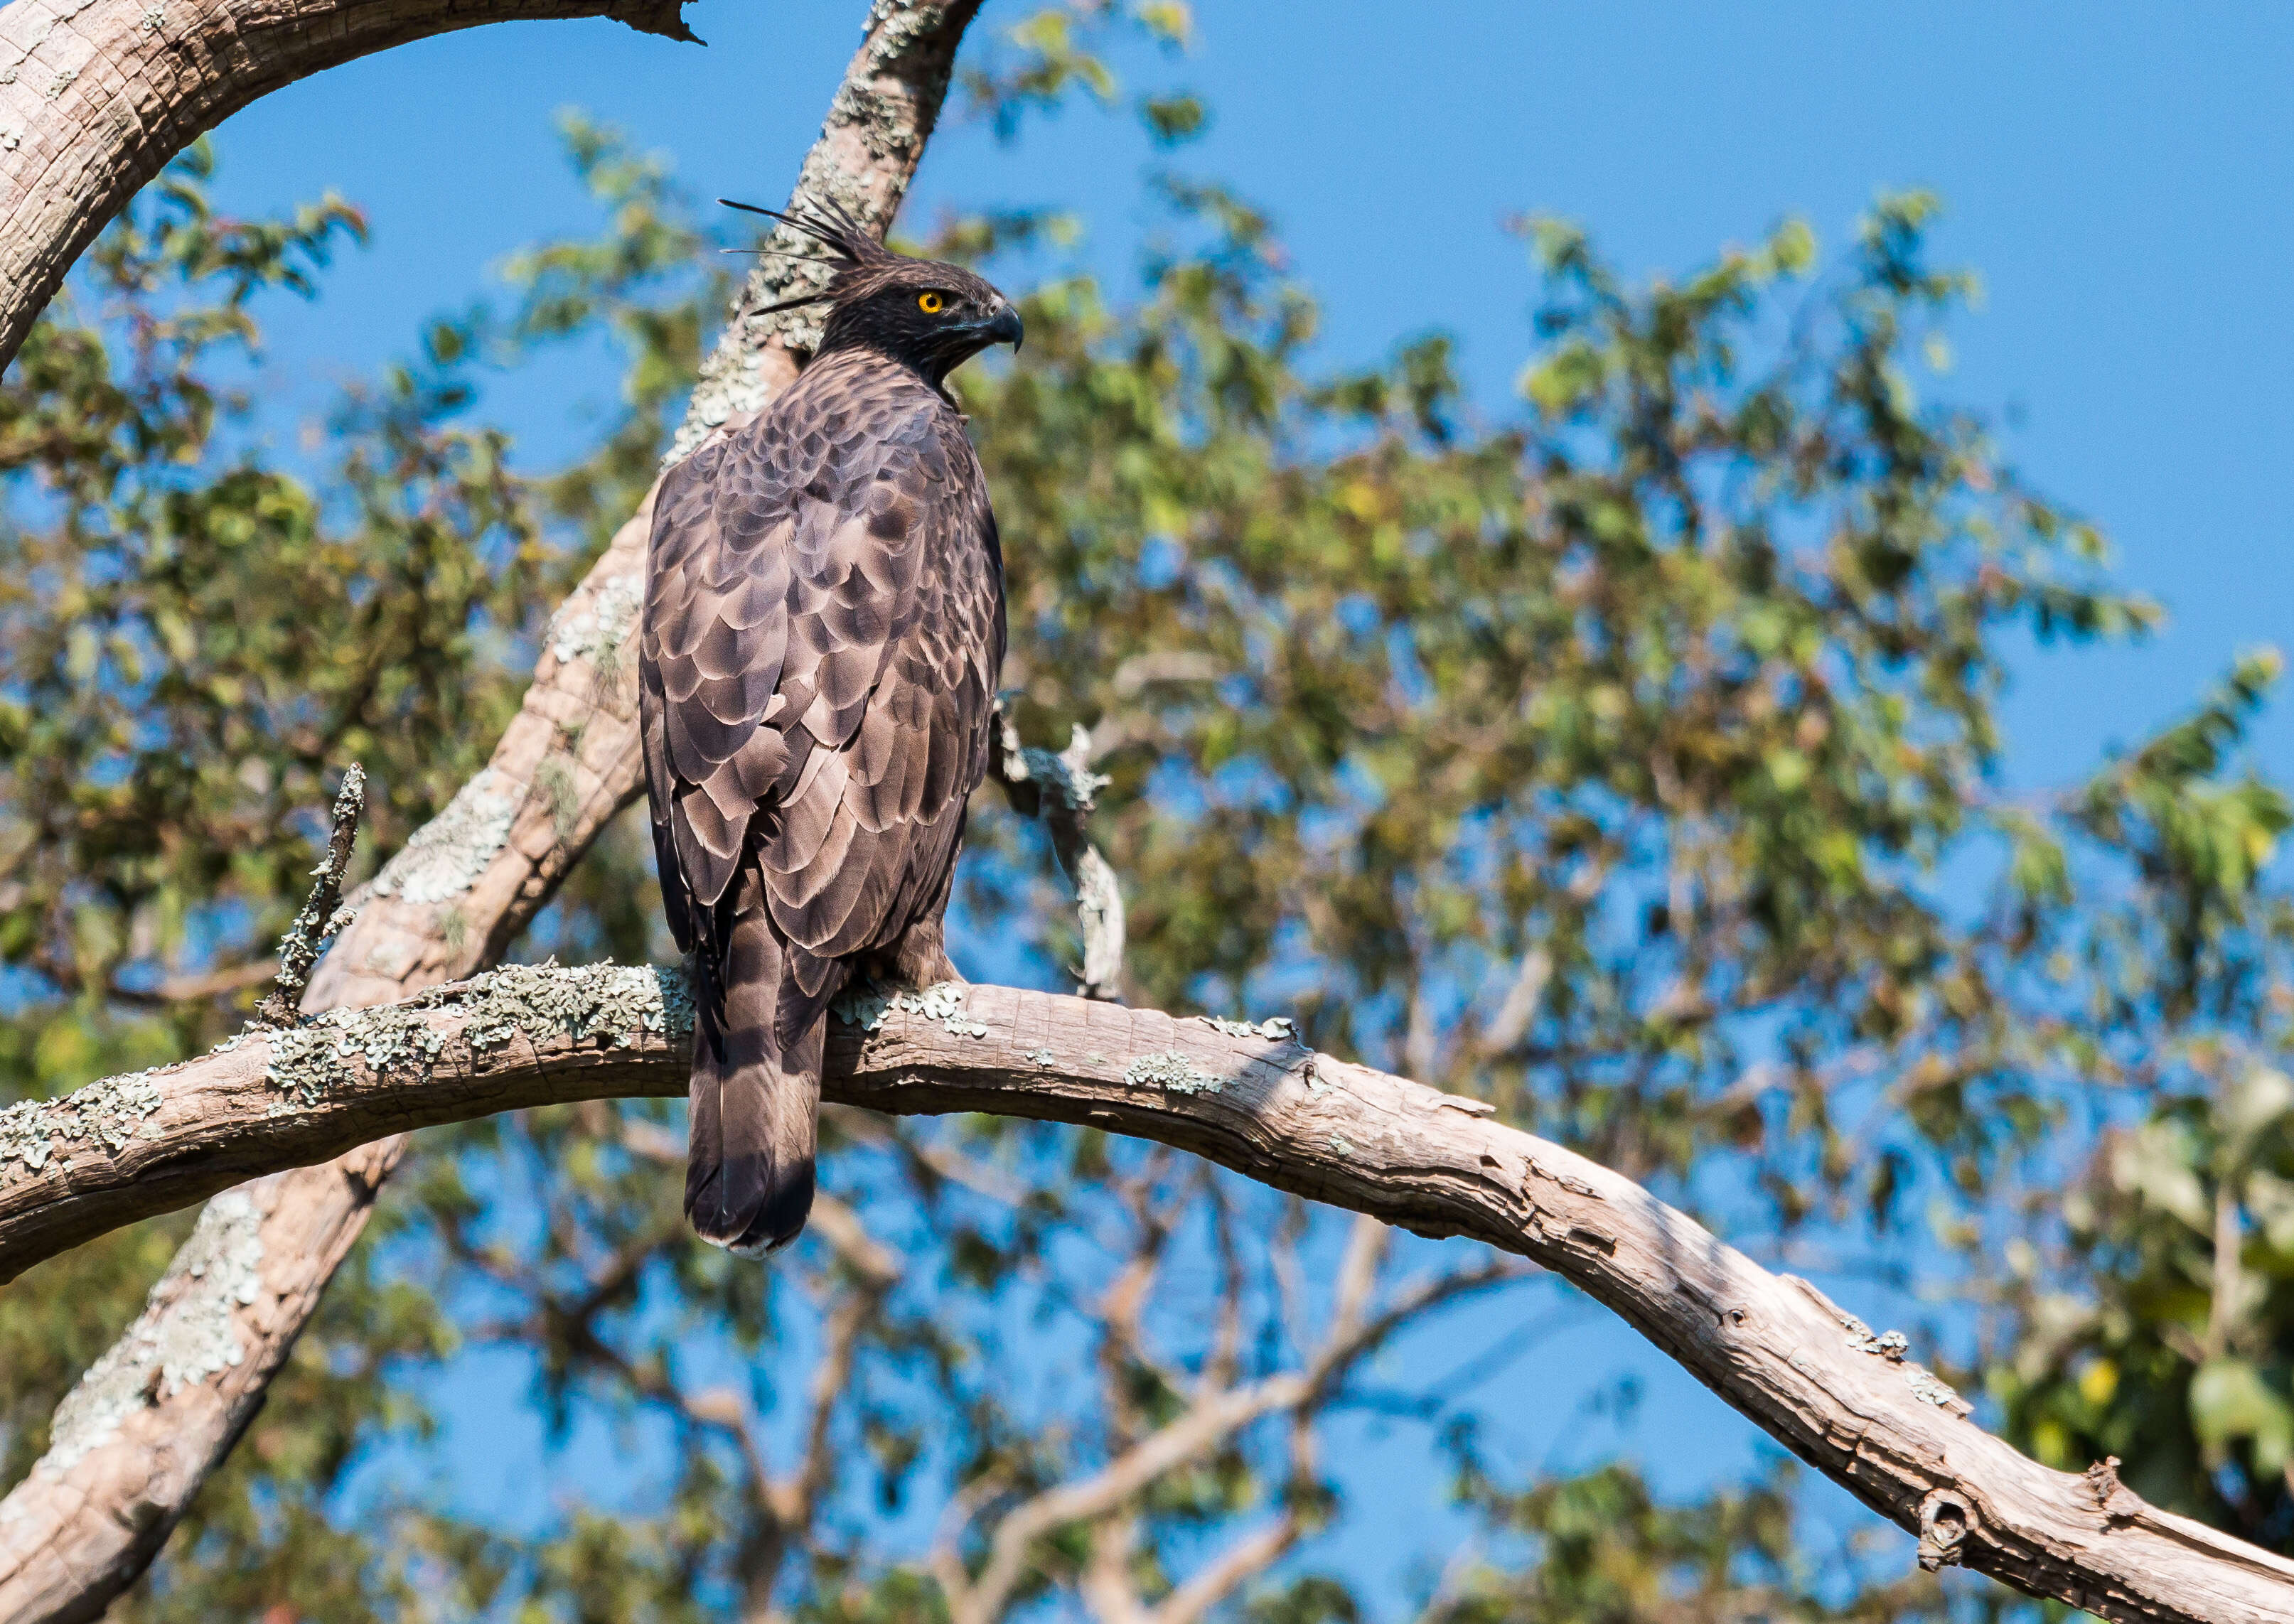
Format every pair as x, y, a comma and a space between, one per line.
1340, 1145
447, 854
540, 1003
1172, 1071
593, 630
187, 1333
311, 1061
554, 782
1926, 1386
895, 26
1274, 1028
883, 122
109, 1112
1888, 1344
866, 1005
394, 956
1040, 1057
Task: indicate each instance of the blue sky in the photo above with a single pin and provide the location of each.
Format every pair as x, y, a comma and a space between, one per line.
2119, 179
2122, 182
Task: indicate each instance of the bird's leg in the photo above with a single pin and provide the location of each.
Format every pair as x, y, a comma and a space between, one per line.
919, 959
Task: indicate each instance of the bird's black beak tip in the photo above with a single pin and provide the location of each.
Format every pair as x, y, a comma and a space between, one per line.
1006, 329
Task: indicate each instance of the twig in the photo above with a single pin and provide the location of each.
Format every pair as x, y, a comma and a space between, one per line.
1062, 790
323, 914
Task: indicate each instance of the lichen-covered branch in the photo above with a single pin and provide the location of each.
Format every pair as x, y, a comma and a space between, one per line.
134, 1441
468, 882
323, 914
1250, 1098
127, 1147
1063, 791
97, 96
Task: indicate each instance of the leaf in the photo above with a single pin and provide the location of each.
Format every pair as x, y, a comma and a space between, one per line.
2231, 1402
2155, 1162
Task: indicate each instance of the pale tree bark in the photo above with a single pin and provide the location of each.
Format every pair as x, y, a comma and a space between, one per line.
1252, 1099
97, 96
92, 1514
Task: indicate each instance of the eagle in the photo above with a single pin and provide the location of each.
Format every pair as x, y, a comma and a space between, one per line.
822, 633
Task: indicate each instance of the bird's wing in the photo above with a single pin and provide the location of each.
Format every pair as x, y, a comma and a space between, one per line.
895, 636
821, 643
715, 628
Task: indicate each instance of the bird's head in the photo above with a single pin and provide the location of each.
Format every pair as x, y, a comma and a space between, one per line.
923, 312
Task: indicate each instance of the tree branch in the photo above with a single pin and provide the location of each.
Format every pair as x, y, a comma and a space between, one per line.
1773, 1346
323, 914
97, 96
73, 1536
1063, 791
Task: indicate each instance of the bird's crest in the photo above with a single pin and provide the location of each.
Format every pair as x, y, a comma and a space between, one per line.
854, 256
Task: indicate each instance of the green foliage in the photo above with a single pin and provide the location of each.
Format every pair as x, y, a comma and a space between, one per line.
191, 640
1620, 761
1575, 750
1060, 50
1604, 1550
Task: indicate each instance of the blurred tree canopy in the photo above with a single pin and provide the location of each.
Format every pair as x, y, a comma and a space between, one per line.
1630, 760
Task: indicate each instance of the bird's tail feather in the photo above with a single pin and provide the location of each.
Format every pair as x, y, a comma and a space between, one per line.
755, 1099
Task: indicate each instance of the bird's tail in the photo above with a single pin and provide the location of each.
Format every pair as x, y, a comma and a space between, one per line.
755, 1098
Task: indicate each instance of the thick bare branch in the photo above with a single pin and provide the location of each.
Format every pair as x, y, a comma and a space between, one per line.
97, 96
72, 1538
135, 1439
1773, 1346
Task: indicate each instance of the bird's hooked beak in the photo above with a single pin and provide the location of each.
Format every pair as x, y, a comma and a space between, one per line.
1004, 328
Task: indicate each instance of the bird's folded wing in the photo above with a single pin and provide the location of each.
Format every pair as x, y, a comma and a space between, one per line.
822, 659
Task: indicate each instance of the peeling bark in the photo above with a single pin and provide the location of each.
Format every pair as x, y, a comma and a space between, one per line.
1254, 1099
97, 96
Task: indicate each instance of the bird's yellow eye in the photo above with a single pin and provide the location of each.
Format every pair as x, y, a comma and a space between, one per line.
930, 303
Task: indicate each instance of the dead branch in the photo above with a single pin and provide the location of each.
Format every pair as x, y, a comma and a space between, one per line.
95, 98
1847, 1401
323, 914
1063, 790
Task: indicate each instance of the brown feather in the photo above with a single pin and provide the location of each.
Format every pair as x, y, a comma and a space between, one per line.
822, 627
